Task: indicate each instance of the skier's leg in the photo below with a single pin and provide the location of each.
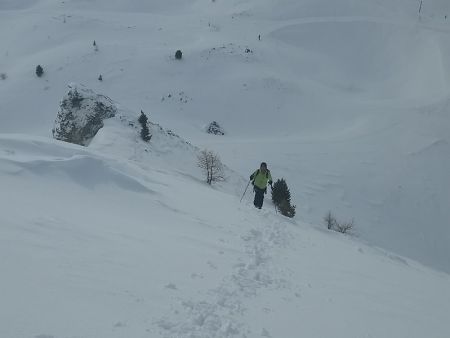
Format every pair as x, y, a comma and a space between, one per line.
255, 200
259, 196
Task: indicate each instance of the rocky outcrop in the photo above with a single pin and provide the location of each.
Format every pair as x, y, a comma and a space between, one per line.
215, 128
81, 115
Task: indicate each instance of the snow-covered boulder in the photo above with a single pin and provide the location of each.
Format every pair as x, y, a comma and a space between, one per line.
81, 115
215, 128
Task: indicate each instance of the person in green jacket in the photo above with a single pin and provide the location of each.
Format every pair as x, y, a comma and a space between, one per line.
259, 179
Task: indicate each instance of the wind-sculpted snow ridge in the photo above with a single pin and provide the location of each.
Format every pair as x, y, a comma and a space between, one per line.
94, 120
168, 7
17, 4
380, 67
121, 137
115, 150
50, 160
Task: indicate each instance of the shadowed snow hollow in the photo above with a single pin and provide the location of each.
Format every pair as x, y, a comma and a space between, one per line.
360, 54
17, 4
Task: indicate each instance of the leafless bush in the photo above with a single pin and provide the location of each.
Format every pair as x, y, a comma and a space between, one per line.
3, 76
330, 221
333, 224
211, 165
344, 227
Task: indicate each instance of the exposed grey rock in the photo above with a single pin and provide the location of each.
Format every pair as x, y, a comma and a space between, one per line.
81, 115
215, 128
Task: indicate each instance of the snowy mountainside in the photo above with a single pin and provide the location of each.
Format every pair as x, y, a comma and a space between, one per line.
355, 88
120, 138
138, 250
348, 101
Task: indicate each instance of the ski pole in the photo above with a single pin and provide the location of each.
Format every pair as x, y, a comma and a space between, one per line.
244, 191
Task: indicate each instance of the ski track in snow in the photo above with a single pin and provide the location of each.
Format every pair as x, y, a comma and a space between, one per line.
220, 312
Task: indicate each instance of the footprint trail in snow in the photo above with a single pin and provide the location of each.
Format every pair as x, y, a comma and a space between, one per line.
220, 311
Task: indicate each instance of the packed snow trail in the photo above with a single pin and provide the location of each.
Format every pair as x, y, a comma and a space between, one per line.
220, 314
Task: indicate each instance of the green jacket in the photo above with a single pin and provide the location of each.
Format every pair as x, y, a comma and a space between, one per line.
260, 180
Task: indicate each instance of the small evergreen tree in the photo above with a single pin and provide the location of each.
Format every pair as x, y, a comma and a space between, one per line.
100, 78
280, 192
39, 70
145, 132
143, 119
178, 54
286, 208
281, 197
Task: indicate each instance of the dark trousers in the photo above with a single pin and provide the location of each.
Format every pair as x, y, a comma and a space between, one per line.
259, 196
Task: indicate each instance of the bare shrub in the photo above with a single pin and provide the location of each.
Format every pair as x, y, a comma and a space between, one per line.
3, 76
333, 224
344, 227
330, 221
211, 165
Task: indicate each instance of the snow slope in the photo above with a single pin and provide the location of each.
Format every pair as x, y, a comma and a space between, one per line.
95, 246
355, 94
348, 101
